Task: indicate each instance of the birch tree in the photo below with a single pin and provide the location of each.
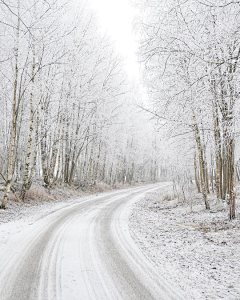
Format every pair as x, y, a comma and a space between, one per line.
190, 55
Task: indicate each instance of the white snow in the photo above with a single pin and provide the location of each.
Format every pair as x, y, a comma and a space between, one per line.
199, 251
78, 251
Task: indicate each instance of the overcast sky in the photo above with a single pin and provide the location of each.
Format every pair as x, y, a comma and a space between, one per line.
116, 18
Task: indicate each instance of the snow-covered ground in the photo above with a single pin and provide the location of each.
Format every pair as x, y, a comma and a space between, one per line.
17, 217
79, 249
199, 251
196, 252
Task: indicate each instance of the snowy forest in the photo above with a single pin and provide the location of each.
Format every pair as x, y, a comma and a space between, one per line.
71, 115
190, 53
68, 109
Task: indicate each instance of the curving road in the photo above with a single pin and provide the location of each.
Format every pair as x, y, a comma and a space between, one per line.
83, 251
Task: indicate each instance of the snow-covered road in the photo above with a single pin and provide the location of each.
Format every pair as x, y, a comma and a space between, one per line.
82, 251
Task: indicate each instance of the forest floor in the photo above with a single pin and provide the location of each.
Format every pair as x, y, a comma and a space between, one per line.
198, 251
39, 196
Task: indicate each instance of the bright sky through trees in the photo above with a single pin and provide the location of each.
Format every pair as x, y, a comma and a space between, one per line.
116, 18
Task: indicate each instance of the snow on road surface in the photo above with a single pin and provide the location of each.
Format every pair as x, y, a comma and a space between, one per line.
80, 251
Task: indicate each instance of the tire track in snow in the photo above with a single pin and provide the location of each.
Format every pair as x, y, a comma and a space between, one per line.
82, 252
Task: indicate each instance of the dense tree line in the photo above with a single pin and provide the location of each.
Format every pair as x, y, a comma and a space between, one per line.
66, 102
190, 53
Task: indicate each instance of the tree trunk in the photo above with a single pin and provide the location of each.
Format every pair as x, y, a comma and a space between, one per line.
14, 120
201, 164
59, 153
232, 209
196, 173
29, 147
